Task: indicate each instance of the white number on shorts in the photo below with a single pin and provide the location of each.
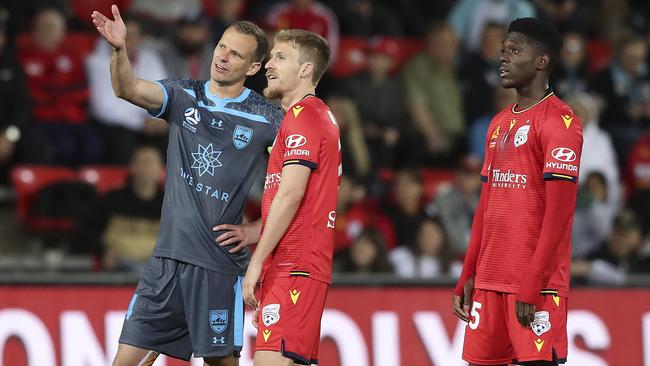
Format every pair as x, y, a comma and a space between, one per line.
476, 318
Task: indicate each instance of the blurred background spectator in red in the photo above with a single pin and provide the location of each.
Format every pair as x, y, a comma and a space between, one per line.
367, 254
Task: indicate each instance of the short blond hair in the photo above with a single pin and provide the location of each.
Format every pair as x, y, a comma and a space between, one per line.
311, 47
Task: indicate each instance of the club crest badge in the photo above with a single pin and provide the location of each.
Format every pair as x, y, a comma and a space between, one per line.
521, 136
542, 323
241, 136
271, 314
218, 320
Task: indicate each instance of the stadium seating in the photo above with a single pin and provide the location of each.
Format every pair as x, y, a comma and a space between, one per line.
104, 178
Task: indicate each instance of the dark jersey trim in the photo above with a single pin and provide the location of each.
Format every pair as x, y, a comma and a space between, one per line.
484, 178
300, 360
299, 273
309, 164
558, 176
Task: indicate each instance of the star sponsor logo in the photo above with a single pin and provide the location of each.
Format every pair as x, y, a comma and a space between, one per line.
564, 154
200, 187
206, 160
508, 179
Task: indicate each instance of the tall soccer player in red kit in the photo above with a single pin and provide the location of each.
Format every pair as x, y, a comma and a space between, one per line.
293, 258
515, 281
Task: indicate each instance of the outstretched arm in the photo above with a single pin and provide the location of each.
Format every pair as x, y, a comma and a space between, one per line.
143, 93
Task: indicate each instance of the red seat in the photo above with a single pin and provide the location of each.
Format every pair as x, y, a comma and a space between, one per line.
82, 9
408, 47
432, 179
104, 178
28, 180
351, 57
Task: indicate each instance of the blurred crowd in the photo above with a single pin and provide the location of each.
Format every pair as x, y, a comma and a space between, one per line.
413, 86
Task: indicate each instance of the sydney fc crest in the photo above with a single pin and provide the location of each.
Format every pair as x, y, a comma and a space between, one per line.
218, 320
241, 136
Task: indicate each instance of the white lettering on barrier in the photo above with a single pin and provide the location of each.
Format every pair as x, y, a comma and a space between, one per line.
440, 349
645, 333
79, 344
32, 333
385, 338
592, 329
345, 332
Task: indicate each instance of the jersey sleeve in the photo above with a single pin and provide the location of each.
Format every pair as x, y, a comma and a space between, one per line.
169, 88
302, 139
490, 143
561, 141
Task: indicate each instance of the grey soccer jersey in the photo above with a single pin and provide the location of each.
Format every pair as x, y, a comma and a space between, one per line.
215, 148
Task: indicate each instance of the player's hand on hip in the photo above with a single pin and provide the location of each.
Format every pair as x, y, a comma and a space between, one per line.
525, 313
114, 31
244, 235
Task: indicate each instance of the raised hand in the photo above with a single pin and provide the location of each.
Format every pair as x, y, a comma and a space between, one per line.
114, 31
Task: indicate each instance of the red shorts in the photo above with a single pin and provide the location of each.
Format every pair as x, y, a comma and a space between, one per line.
494, 336
290, 312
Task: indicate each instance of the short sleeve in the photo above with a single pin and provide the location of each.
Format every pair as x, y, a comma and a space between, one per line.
168, 88
561, 140
301, 140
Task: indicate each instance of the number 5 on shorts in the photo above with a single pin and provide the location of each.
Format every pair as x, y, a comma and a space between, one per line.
476, 318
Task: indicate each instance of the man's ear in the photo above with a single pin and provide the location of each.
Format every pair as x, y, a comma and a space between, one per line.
543, 62
306, 70
254, 68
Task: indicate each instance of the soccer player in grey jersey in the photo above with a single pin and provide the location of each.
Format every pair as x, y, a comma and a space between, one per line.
189, 299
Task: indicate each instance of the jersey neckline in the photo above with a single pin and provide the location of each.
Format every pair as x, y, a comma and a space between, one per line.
222, 101
532, 106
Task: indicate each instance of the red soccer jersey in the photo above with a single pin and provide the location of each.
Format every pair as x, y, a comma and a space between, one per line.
523, 149
308, 136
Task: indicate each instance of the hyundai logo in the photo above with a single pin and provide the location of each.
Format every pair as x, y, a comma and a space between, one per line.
294, 141
564, 154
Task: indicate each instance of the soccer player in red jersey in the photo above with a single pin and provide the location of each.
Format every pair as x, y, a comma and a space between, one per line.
515, 281
293, 259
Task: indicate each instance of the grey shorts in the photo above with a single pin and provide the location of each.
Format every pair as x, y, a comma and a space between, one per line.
179, 309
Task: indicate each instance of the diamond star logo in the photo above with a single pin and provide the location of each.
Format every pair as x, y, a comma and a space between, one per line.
206, 160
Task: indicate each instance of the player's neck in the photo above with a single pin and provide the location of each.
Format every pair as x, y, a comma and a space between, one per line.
225, 91
297, 95
531, 94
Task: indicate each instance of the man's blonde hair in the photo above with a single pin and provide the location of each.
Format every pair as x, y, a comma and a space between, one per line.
311, 47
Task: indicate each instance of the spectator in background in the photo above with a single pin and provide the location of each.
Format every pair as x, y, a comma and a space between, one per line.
121, 123
638, 180
570, 74
367, 254
309, 15
189, 53
356, 213
354, 151
367, 18
625, 88
622, 254
380, 100
158, 16
124, 224
404, 208
59, 93
14, 100
598, 153
594, 215
227, 12
480, 72
478, 128
563, 14
431, 256
433, 99
468, 17
455, 204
